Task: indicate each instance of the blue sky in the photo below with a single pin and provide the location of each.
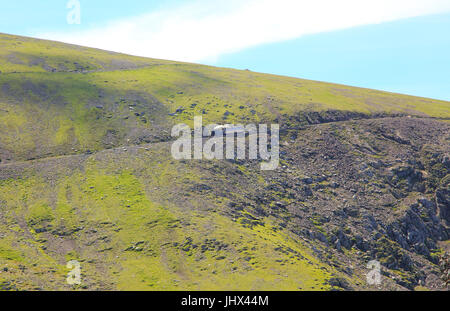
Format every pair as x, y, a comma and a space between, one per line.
410, 56
28, 16
400, 46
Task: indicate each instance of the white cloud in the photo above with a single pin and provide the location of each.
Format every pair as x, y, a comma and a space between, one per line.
203, 30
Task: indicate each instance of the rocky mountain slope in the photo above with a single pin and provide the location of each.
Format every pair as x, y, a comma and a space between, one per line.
86, 174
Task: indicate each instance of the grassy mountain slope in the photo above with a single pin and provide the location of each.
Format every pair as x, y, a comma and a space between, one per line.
82, 99
86, 174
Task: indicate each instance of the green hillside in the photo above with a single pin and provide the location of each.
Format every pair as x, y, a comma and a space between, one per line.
86, 174
81, 99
